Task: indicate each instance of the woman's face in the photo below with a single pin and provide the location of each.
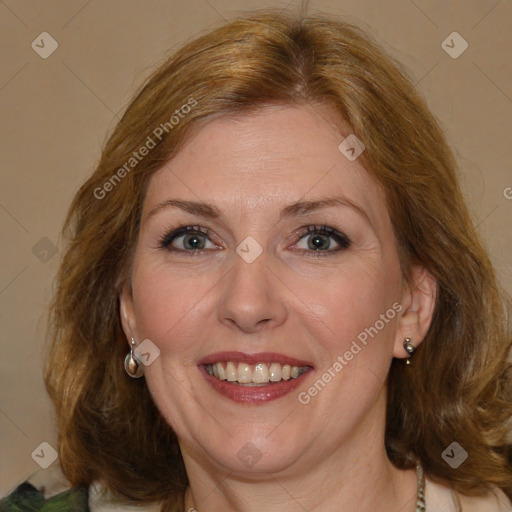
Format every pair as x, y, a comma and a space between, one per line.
262, 247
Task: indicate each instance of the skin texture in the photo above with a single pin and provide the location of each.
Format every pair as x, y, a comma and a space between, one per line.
290, 300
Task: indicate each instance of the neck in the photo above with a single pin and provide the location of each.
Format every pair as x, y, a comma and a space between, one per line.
356, 477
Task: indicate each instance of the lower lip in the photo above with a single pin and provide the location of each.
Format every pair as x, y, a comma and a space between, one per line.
252, 394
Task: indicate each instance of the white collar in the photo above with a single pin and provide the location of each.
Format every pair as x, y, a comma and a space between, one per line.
103, 501
51, 482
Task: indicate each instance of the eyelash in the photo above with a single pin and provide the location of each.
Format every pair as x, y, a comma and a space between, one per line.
341, 239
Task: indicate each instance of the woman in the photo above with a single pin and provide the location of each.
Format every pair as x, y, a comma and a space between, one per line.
274, 232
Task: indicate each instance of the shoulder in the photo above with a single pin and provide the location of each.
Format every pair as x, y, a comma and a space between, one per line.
495, 501
101, 500
442, 498
48, 491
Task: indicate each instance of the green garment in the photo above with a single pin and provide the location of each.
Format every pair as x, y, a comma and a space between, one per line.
26, 498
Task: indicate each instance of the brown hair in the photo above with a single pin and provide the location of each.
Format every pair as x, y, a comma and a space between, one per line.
110, 430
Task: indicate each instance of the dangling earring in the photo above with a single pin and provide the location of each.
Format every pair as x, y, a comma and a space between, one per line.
410, 349
132, 365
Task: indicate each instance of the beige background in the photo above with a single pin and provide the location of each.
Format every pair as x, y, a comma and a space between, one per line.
56, 112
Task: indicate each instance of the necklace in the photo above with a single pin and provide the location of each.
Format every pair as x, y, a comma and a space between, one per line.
420, 500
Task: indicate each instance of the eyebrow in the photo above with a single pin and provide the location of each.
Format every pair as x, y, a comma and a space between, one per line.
209, 211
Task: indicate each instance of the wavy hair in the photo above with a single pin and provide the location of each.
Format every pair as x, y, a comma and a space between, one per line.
459, 387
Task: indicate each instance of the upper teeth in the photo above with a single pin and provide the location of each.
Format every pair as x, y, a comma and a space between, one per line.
260, 373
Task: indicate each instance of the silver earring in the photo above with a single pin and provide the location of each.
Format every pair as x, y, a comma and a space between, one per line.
132, 365
410, 349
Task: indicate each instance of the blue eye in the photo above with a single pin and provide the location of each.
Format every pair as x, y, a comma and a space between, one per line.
319, 239
194, 238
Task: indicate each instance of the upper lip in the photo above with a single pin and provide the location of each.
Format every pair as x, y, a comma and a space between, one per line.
261, 357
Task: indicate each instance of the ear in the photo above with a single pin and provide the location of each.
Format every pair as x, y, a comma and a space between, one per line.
418, 301
127, 313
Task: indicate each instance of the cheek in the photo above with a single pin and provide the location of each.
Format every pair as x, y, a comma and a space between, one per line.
332, 306
355, 303
169, 305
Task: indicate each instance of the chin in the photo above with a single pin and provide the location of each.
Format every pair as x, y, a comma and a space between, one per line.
259, 457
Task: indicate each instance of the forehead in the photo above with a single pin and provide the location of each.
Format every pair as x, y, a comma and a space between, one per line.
260, 161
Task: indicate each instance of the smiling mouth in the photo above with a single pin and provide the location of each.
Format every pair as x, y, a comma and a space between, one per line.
252, 375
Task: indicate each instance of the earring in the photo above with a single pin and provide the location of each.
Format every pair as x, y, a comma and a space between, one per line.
132, 365
410, 349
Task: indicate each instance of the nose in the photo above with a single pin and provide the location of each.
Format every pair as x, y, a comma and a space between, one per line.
252, 298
